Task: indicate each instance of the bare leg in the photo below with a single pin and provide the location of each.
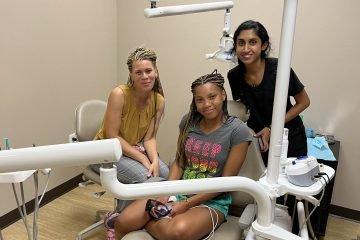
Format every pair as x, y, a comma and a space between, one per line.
131, 218
193, 224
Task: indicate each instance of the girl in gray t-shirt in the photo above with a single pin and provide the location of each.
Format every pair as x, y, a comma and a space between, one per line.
211, 144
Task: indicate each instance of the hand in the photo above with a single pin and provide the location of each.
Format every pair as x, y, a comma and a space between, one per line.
154, 169
264, 134
146, 162
140, 148
178, 208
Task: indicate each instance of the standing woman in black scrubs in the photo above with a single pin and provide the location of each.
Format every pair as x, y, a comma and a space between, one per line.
253, 83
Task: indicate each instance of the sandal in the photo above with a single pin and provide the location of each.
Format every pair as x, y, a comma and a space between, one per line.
110, 234
109, 220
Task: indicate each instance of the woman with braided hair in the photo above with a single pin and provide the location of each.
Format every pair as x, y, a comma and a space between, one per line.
133, 114
211, 144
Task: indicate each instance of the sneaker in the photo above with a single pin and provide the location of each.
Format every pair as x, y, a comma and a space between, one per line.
110, 234
109, 220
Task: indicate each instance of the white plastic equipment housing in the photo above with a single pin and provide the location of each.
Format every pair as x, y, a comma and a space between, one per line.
186, 9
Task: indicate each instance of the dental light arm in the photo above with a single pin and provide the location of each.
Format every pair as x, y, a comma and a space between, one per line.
227, 23
224, 53
185, 9
61, 155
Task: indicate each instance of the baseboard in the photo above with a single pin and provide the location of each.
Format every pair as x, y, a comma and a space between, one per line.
345, 212
54, 193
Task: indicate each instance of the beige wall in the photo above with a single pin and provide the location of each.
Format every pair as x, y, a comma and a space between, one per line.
53, 55
325, 58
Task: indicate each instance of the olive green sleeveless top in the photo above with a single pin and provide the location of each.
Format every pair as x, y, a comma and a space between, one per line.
134, 121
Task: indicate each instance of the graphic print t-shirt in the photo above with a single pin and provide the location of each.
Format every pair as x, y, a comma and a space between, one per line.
207, 153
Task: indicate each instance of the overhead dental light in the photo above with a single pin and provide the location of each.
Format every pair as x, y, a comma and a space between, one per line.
224, 53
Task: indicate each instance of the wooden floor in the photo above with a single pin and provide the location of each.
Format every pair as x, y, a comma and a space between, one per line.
64, 217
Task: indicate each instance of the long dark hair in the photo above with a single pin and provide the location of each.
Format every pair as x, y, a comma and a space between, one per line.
194, 117
259, 30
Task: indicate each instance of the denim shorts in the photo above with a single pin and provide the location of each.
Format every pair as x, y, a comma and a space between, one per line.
220, 203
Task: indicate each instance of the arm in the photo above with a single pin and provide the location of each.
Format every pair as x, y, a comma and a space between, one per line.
264, 136
232, 167
112, 125
175, 174
235, 78
150, 141
302, 101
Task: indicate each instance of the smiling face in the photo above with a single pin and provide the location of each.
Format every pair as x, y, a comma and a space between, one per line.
249, 47
209, 100
143, 75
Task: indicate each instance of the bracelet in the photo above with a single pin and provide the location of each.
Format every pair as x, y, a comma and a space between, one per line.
269, 128
186, 200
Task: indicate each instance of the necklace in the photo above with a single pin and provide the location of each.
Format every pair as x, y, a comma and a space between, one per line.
255, 77
253, 84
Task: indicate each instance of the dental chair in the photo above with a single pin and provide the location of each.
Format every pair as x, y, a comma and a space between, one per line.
88, 118
243, 204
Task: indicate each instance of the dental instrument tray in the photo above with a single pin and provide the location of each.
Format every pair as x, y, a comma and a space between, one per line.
302, 171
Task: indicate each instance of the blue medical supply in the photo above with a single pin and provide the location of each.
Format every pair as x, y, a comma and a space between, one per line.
310, 132
319, 148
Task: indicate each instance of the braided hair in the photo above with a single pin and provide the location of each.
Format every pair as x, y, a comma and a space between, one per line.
194, 117
142, 53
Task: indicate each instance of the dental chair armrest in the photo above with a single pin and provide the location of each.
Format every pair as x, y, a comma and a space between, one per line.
247, 216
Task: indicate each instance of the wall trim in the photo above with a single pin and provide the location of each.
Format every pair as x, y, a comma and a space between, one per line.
14, 215
345, 212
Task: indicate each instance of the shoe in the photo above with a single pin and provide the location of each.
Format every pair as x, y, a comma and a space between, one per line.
109, 220
110, 234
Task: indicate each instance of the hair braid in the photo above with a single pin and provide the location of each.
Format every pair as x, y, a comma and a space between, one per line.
142, 53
